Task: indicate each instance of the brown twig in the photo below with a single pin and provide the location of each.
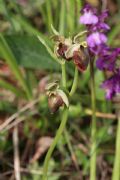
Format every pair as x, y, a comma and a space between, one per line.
16, 115
16, 154
101, 115
17, 121
34, 171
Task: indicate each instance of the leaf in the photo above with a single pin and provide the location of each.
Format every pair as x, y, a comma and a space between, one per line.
54, 30
8, 55
31, 53
10, 87
118, 63
7, 107
51, 53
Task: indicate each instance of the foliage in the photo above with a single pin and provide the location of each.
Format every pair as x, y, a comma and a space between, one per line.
25, 67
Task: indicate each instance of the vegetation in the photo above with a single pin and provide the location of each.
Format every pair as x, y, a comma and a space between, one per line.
49, 107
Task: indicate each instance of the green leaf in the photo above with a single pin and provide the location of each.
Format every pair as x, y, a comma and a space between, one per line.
10, 87
7, 107
31, 53
8, 55
118, 63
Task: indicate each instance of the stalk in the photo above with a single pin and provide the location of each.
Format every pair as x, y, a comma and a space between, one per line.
75, 82
59, 131
116, 168
56, 139
64, 83
93, 125
65, 111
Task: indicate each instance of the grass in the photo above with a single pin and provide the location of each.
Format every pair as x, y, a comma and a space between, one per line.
21, 87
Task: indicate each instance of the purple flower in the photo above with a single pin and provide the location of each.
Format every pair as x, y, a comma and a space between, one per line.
96, 27
89, 15
107, 59
112, 86
96, 39
101, 25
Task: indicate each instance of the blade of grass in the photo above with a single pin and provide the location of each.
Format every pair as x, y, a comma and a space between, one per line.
62, 18
27, 26
49, 14
79, 5
30, 29
43, 12
12, 88
93, 125
116, 168
70, 147
30, 79
17, 8
115, 31
11, 61
70, 7
56, 7
8, 15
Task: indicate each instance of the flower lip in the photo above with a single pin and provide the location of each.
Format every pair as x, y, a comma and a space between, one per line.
89, 15
101, 25
112, 86
103, 15
96, 27
88, 18
96, 38
107, 59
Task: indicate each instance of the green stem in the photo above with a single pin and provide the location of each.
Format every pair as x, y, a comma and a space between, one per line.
59, 131
64, 83
116, 169
93, 125
73, 155
75, 82
55, 141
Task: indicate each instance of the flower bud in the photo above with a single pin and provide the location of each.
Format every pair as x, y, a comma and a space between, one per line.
81, 58
56, 97
55, 102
